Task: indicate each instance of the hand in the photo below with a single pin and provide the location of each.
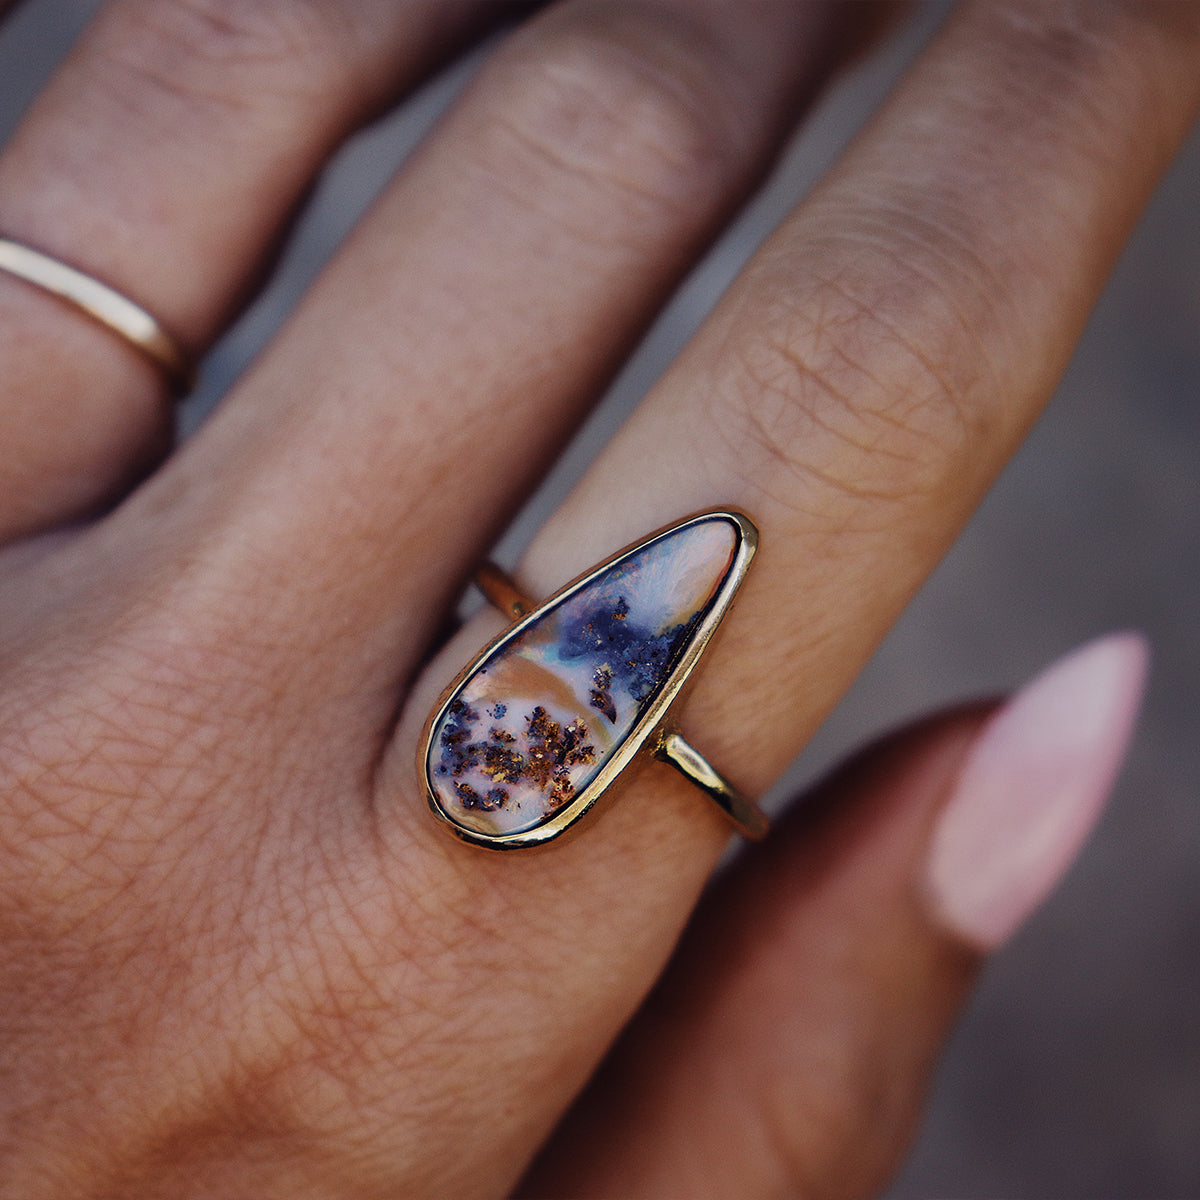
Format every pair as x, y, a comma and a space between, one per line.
237, 956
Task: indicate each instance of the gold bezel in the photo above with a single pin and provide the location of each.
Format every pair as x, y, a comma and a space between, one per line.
646, 734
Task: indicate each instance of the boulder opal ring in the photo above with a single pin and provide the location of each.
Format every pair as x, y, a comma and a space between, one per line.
547, 717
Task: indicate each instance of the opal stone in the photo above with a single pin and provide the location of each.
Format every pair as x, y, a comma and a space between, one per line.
527, 730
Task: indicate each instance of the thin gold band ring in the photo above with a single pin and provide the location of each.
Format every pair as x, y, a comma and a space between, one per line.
104, 305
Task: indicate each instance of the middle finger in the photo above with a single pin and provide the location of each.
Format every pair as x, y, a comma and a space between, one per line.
451, 346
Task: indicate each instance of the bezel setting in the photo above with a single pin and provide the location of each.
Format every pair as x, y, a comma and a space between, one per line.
653, 728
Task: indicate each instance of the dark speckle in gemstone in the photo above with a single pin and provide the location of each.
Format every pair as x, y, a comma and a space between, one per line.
543, 757
636, 657
493, 799
552, 751
601, 694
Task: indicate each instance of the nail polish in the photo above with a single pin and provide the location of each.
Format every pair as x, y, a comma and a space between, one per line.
1032, 787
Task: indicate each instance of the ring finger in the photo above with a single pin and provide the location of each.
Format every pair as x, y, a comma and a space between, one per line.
164, 159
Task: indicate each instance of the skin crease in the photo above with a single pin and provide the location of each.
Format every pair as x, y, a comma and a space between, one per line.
236, 958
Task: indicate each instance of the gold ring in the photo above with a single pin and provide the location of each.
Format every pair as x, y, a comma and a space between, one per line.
104, 305
543, 722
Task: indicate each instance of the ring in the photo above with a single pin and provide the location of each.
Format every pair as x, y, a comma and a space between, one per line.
546, 718
104, 305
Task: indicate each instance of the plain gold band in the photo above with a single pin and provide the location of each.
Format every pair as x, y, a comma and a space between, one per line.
500, 592
671, 747
105, 305
750, 820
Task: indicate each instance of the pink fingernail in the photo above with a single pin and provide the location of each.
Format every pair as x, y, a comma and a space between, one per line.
1032, 788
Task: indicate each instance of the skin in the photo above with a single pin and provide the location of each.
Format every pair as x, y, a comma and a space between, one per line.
236, 957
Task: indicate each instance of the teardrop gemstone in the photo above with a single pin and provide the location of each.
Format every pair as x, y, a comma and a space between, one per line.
534, 721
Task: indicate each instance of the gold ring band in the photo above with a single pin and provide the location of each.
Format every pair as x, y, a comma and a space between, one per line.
501, 592
750, 820
544, 721
105, 306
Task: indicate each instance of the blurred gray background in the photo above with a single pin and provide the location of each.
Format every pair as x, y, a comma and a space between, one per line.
1076, 1071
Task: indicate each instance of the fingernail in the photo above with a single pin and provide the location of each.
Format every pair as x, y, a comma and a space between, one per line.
1032, 788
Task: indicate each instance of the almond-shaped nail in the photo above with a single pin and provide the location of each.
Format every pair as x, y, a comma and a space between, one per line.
1032, 788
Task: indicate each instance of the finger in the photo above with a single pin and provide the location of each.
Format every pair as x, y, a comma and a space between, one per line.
787, 1050
454, 342
164, 158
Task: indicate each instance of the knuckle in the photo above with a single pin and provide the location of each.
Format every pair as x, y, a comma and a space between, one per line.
1075, 34
225, 54
858, 388
629, 102
1061, 50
